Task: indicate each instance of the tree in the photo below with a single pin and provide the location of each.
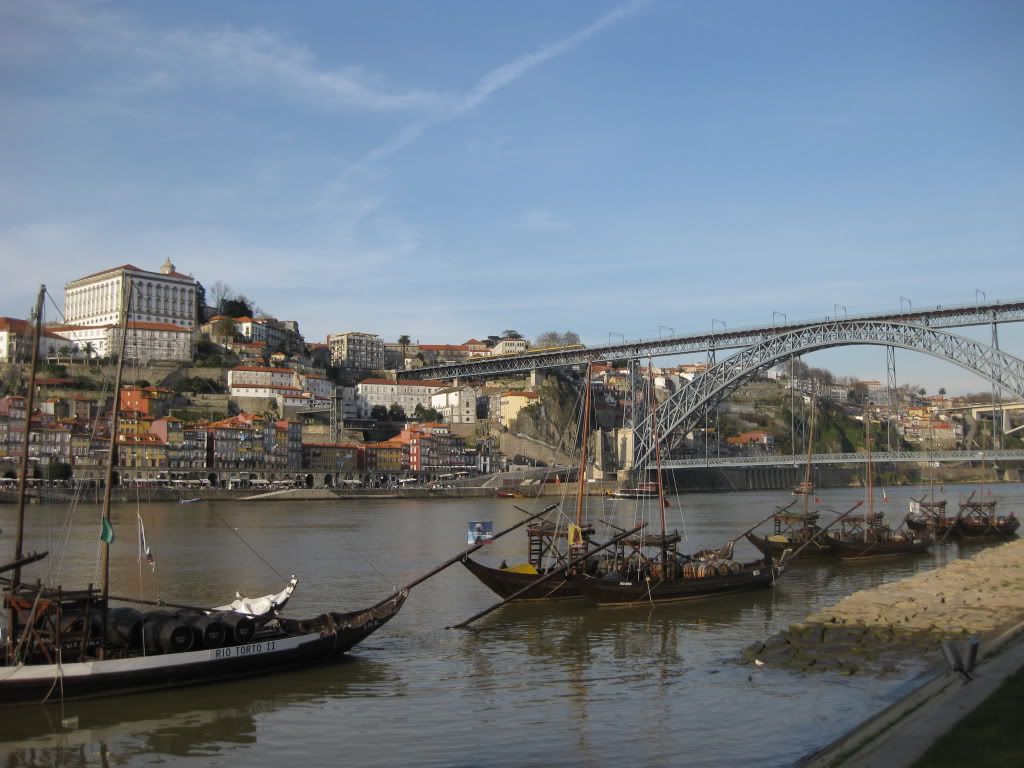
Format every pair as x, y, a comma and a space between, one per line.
942, 391
237, 306
226, 328
511, 334
556, 339
220, 292
426, 413
396, 412
90, 351
379, 412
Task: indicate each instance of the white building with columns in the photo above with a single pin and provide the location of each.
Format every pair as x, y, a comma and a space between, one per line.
166, 297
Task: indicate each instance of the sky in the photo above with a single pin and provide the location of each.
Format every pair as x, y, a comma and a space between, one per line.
452, 169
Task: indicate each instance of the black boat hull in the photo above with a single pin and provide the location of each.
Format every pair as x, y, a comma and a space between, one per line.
320, 640
605, 591
819, 549
867, 550
505, 583
1001, 528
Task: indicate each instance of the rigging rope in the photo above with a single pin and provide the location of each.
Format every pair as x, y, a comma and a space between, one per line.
251, 549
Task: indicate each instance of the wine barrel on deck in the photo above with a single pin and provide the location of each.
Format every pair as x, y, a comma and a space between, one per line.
165, 632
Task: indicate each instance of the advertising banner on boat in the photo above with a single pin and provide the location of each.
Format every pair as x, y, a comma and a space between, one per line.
480, 531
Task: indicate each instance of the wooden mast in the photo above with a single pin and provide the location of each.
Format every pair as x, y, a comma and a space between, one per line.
582, 479
808, 484
19, 541
126, 292
869, 514
657, 454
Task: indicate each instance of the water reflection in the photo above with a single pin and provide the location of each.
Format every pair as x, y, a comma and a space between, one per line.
192, 722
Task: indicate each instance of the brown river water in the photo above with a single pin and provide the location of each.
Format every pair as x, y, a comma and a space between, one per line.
566, 684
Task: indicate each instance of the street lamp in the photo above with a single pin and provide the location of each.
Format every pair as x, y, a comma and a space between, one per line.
777, 314
977, 292
669, 327
837, 307
613, 333
713, 321
909, 305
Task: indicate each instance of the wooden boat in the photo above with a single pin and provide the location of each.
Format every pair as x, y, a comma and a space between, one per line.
792, 531
870, 536
648, 568
551, 543
69, 644
543, 540
930, 517
978, 519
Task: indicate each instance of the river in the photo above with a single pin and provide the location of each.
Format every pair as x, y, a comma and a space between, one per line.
566, 684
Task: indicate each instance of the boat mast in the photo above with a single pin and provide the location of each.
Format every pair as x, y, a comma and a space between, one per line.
869, 513
657, 454
807, 470
126, 292
585, 431
19, 541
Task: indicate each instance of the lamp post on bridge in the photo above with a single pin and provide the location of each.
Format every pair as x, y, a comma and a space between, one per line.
979, 292
837, 307
909, 305
669, 327
777, 314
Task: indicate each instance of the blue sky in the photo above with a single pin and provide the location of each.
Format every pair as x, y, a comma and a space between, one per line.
452, 169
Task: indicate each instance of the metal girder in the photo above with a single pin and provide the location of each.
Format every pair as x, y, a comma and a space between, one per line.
919, 457
684, 409
702, 341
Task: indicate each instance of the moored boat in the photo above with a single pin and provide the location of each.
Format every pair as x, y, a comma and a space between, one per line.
69, 644
978, 519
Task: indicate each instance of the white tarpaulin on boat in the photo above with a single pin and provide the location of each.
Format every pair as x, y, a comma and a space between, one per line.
261, 606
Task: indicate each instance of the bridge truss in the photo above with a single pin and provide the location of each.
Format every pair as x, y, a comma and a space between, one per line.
877, 457
682, 412
706, 341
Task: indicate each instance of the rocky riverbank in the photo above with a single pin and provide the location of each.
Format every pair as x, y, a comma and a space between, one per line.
875, 630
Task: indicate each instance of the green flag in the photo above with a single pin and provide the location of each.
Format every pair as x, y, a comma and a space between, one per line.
106, 531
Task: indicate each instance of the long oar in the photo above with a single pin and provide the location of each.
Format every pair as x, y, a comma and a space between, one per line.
810, 541
550, 575
456, 558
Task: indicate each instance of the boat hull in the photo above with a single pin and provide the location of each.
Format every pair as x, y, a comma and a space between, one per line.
320, 640
862, 550
607, 591
820, 549
505, 583
1001, 528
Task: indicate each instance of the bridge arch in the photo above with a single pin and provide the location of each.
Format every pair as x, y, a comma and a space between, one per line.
683, 410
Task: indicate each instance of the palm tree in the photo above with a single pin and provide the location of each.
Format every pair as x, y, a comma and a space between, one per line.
90, 351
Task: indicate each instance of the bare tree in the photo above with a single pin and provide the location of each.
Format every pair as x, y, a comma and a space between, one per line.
220, 292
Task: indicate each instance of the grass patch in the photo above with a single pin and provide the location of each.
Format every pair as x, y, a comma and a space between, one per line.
989, 737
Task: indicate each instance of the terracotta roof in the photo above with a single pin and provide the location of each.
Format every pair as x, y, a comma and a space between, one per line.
403, 383
14, 324
516, 393
261, 369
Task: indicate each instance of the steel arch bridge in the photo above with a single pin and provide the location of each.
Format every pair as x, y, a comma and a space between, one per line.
684, 409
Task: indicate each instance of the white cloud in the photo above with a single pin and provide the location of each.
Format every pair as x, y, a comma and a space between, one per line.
497, 79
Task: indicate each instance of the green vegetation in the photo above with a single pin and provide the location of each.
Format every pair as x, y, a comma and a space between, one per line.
989, 737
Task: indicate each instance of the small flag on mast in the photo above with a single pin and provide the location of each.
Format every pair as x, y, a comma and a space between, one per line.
106, 531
